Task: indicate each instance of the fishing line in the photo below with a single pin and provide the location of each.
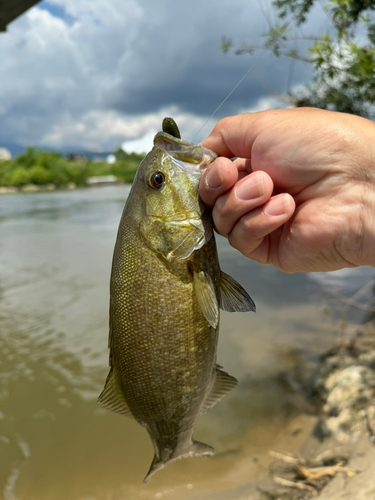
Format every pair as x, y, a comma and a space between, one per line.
230, 93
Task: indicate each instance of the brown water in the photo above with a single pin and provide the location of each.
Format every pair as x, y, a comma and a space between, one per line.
55, 443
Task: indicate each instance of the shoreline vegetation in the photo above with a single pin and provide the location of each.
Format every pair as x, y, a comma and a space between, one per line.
36, 170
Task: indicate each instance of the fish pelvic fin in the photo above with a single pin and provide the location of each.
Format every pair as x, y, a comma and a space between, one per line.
196, 449
233, 298
112, 397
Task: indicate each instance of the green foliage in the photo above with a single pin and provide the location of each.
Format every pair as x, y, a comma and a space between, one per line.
120, 154
125, 169
39, 175
275, 37
343, 59
19, 177
43, 167
226, 44
299, 8
343, 12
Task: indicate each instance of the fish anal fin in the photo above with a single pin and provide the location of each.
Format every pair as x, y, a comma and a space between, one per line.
111, 398
233, 298
223, 384
206, 297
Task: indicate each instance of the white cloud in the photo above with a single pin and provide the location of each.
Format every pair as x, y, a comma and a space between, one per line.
98, 130
141, 145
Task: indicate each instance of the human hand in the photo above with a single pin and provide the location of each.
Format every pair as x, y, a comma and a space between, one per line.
301, 194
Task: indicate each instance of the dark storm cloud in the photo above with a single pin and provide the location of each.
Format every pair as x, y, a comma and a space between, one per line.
184, 66
99, 72
202, 95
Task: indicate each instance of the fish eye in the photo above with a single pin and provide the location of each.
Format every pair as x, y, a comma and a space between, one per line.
157, 180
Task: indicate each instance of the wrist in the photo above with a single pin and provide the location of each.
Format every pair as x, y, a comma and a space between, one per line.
362, 191
367, 248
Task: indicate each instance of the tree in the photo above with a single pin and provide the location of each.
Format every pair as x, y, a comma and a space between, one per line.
343, 59
19, 177
39, 175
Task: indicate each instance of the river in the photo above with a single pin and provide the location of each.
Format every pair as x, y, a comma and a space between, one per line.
55, 442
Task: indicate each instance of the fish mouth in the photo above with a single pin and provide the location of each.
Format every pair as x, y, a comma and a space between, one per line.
170, 139
185, 153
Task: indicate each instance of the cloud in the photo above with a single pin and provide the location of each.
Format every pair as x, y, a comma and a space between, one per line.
112, 127
95, 73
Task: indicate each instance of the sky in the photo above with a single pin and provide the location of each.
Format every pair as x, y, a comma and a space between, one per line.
95, 74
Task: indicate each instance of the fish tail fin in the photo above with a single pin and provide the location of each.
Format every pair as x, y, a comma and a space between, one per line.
196, 449
199, 449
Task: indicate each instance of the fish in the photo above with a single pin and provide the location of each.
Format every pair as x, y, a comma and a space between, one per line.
166, 291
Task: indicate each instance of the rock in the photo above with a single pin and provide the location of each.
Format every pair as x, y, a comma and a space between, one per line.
30, 188
347, 386
8, 190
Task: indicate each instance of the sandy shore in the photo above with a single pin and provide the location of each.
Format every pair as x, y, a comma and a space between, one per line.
336, 461
360, 483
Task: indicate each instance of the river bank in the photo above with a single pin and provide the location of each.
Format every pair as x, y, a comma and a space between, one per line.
35, 188
337, 459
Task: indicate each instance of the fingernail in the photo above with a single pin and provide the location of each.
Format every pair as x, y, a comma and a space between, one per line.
251, 188
214, 178
277, 206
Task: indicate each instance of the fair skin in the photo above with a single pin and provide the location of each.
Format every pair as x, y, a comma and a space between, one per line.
301, 194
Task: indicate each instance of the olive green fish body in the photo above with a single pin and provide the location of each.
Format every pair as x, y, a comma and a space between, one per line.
163, 347
166, 290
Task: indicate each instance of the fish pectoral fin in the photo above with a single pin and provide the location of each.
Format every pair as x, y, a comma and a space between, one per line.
223, 384
233, 298
112, 398
206, 297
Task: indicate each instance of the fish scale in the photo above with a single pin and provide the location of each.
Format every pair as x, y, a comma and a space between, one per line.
165, 294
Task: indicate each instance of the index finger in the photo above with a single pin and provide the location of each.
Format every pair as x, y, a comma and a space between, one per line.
218, 178
235, 135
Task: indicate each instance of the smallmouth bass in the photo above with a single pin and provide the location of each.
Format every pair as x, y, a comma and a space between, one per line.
165, 294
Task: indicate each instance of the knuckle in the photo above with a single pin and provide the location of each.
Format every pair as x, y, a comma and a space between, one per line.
222, 124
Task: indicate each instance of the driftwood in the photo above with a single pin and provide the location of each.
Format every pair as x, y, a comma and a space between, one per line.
305, 477
299, 485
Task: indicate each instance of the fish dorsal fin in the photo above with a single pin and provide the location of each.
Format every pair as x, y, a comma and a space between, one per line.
223, 384
206, 297
233, 298
112, 398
